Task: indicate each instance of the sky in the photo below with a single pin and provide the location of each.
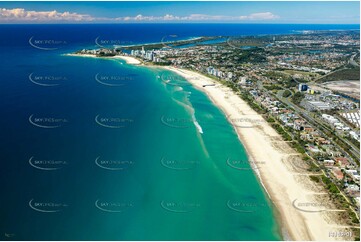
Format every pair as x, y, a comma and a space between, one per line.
310, 12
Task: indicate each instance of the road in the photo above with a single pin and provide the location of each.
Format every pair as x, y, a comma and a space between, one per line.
317, 124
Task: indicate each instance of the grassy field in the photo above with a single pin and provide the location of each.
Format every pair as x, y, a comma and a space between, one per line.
351, 73
305, 73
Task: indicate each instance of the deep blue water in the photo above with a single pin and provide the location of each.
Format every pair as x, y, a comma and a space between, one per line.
145, 33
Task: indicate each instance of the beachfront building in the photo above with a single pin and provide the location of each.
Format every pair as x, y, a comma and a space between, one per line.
337, 173
353, 174
328, 163
353, 190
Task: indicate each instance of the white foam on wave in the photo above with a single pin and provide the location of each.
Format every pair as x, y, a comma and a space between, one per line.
198, 126
178, 88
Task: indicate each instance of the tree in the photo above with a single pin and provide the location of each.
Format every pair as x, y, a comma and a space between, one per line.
286, 93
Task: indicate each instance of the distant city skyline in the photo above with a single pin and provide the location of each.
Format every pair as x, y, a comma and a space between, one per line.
181, 12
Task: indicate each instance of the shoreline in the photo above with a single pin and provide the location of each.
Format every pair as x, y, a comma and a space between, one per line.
128, 59
285, 234
261, 142
273, 175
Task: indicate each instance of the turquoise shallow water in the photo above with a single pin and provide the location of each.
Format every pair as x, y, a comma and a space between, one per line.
131, 163
181, 186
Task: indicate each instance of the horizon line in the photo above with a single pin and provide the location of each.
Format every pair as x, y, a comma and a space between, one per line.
90, 23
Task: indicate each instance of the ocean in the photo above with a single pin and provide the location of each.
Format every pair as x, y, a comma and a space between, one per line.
96, 149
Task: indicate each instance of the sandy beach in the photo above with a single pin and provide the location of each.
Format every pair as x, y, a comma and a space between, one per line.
127, 59
285, 186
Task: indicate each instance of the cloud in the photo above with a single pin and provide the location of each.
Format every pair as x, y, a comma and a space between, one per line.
140, 17
20, 14
201, 17
198, 17
260, 16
